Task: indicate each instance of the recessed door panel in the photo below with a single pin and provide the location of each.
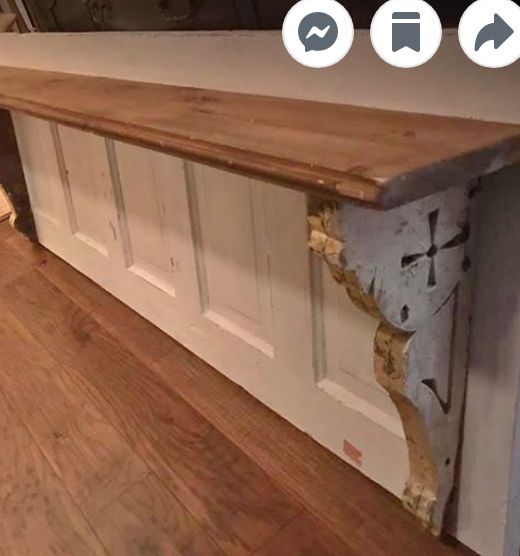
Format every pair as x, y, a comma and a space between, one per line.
235, 275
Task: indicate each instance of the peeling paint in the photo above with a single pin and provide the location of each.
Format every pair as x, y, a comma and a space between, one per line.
354, 454
401, 374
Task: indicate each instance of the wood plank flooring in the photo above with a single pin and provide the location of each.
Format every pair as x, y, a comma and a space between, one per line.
116, 440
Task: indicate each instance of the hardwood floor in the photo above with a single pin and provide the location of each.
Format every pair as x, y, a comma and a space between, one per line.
116, 440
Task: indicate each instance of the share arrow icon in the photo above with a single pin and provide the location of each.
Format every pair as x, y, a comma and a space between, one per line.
498, 32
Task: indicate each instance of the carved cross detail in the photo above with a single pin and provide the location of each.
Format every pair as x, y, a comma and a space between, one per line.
432, 254
434, 249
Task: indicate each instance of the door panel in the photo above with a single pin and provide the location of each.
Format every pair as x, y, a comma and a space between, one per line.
234, 274
148, 221
345, 373
219, 262
39, 158
89, 188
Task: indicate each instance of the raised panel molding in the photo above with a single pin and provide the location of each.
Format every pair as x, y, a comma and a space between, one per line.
147, 222
39, 159
234, 258
345, 373
89, 195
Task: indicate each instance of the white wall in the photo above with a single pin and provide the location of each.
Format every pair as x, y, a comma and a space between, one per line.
491, 467
450, 84
257, 62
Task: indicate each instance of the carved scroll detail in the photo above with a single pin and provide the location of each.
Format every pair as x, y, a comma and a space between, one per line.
404, 268
391, 366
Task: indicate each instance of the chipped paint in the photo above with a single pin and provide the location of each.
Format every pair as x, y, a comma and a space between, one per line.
430, 479
354, 454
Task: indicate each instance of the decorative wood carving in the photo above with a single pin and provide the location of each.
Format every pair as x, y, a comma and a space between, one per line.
12, 179
406, 268
98, 10
176, 11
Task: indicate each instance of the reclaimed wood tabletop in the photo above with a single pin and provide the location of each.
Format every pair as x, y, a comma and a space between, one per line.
378, 157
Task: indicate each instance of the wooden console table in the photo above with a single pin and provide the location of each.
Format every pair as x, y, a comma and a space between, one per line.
389, 211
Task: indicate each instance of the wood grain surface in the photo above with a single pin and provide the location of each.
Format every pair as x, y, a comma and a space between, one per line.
117, 440
37, 514
378, 157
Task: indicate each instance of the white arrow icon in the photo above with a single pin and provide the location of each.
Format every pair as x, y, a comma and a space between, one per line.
315, 31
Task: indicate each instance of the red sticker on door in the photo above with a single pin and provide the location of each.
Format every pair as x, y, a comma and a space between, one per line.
355, 455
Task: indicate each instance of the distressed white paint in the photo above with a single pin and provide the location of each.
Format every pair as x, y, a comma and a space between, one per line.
234, 241
35, 144
88, 189
123, 204
336, 318
449, 84
405, 256
409, 261
221, 263
147, 222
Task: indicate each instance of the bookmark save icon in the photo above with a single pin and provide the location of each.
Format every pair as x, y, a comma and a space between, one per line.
406, 33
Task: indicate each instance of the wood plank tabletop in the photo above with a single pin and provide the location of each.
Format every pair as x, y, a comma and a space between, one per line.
379, 157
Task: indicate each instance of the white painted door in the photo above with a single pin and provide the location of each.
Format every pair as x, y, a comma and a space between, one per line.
487, 517
220, 262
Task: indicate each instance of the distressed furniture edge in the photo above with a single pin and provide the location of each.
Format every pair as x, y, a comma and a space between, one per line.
491, 147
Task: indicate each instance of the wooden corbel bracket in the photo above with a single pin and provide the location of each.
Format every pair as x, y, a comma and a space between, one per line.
407, 268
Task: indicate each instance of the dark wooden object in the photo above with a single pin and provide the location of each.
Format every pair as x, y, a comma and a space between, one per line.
377, 157
152, 15
12, 178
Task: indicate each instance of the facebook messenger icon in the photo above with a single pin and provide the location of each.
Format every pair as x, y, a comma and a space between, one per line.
318, 33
